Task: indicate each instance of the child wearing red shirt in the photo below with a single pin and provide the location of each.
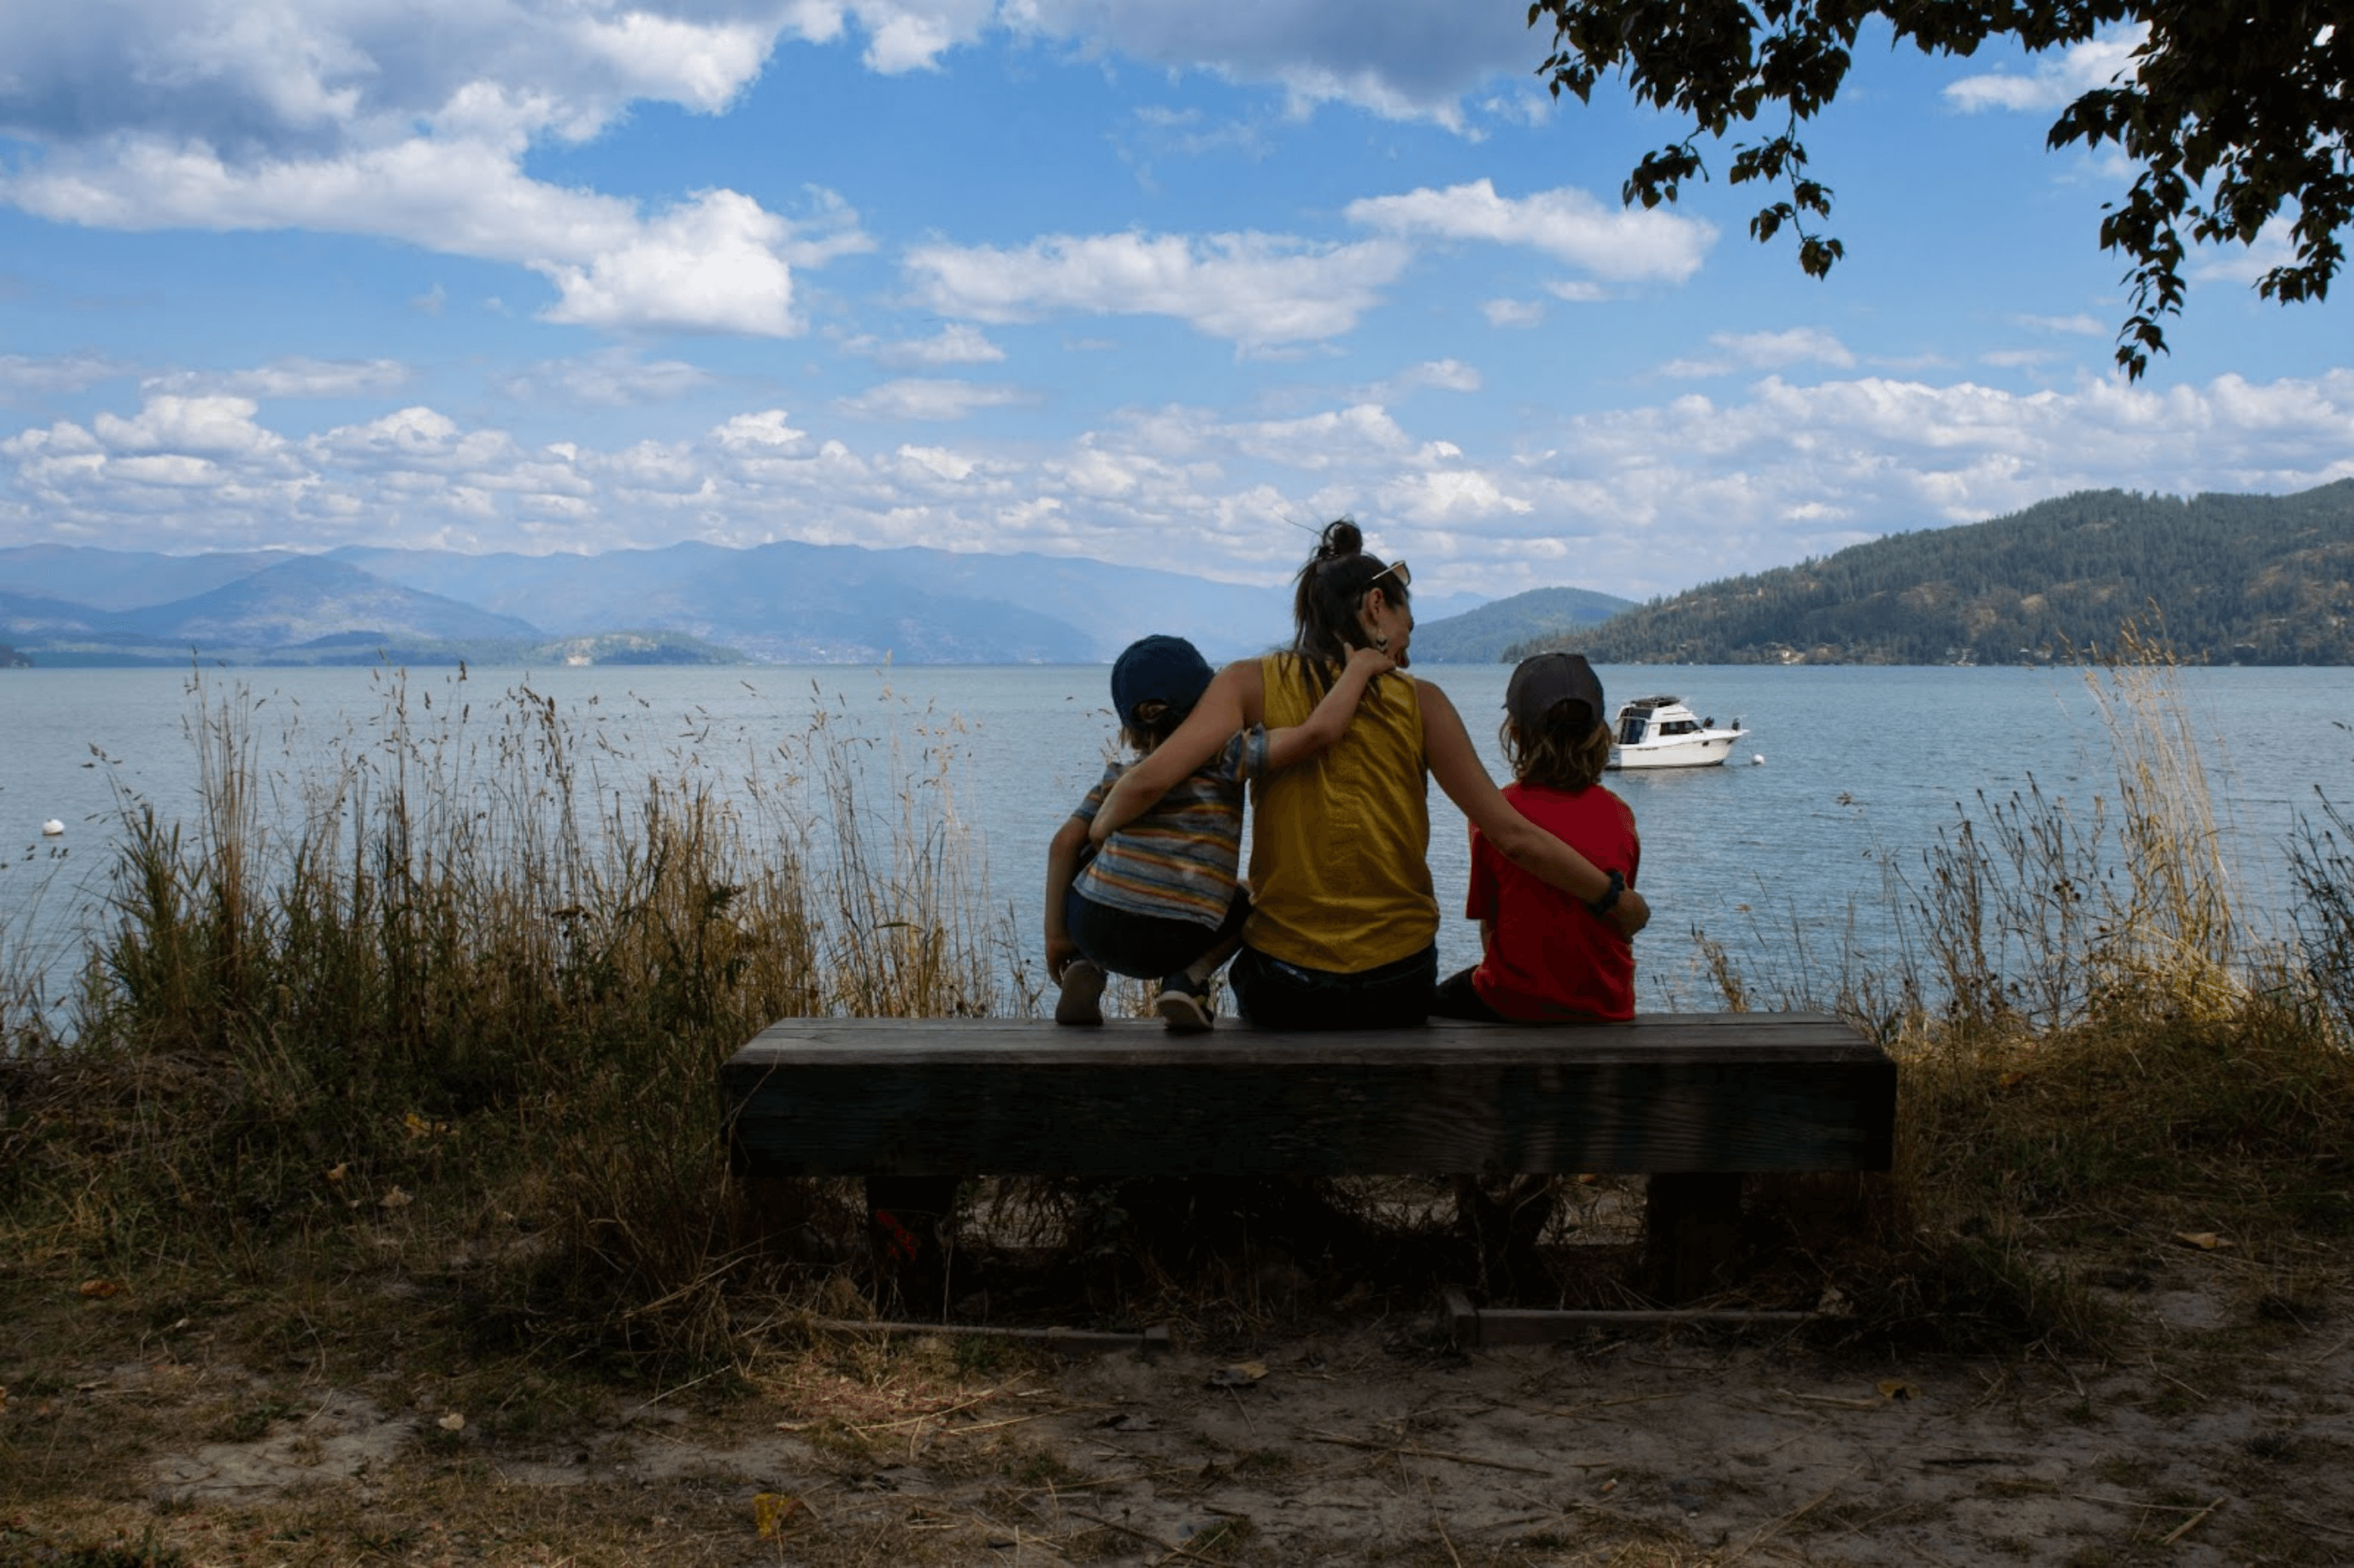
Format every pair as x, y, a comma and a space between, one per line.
1548, 958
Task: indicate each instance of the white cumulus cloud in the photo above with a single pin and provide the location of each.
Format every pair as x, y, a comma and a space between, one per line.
213, 426
711, 265
412, 120
294, 377
2057, 79
615, 378
1763, 351
959, 343
929, 397
31, 379
1250, 289
1786, 470
2079, 324
1647, 498
1608, 240
1431, 375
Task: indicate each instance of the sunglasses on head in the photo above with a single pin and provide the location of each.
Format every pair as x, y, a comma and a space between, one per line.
1395, 569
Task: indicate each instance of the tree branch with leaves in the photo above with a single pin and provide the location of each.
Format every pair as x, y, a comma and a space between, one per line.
2232, 114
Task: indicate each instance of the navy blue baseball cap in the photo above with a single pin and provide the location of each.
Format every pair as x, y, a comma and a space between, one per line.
1158, 670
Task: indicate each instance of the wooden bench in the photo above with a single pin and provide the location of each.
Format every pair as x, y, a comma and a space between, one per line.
1695, 1101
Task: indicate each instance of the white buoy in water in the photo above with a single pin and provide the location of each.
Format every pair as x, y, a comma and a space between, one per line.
1757, 759
53, 829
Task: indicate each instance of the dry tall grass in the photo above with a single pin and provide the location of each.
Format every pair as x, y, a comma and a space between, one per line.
2099, 1039
447, 965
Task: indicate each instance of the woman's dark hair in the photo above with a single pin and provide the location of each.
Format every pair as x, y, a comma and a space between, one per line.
1324, 601
1554, 758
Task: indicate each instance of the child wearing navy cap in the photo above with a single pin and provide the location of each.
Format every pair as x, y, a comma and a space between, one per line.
1162, 899
1544, 956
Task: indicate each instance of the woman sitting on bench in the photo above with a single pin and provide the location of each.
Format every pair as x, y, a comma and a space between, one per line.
1343, 924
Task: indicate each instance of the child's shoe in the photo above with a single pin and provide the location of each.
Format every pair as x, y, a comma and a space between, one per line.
1082, 998
1185, 1005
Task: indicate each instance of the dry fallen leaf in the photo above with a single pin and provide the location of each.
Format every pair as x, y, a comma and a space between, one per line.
1609, 1486
2205, 1241
340, 1171
772, 1512
454, 1422
1241, 1374
392, 1203
2011, 1080
100, 1289
1897, 1388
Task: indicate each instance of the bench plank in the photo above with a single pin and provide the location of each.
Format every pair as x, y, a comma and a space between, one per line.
1667, 1093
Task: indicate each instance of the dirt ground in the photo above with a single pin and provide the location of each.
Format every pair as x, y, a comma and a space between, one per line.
2214, 1427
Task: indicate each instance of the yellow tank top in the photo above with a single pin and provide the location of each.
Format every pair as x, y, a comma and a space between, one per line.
1340, 864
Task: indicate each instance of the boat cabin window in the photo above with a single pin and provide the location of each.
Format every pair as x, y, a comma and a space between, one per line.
1678, 726
1631, 728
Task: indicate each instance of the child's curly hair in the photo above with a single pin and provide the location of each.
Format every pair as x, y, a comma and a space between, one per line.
1554, 758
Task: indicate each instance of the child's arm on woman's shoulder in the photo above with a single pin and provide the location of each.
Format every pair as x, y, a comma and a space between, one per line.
1299, 742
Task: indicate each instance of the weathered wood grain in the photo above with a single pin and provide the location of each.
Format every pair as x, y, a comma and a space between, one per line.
1675, 1092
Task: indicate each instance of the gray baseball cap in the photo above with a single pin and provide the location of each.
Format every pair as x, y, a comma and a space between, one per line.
1542, 683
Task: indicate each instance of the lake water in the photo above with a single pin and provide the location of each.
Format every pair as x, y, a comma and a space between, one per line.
1787, 861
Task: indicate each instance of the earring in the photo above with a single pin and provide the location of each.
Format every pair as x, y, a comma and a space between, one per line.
1381, 641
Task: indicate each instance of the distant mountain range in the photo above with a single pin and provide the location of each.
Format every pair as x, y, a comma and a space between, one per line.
2223, 579
786, 603
2248, 579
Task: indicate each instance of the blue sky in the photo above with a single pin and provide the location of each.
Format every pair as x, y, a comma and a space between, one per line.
1151, 283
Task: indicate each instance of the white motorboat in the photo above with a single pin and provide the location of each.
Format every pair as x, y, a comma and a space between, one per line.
1660, 732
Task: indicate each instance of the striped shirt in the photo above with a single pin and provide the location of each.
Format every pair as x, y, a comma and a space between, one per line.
1178, 861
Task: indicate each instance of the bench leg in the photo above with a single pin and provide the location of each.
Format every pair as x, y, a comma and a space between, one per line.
1504, 1217
908, 1223
1691, 1230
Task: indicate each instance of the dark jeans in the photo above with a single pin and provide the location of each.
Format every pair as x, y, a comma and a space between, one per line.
1272, 994
1457, 999
1147, 946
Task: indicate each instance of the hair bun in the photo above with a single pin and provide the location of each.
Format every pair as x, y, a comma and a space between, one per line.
1341, 537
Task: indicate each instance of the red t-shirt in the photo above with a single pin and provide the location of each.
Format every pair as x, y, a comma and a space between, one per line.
1550, 957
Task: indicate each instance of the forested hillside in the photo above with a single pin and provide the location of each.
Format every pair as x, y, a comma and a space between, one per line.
1478, 636
2249, 580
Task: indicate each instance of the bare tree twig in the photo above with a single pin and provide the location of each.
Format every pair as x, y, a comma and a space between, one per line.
2188, 1525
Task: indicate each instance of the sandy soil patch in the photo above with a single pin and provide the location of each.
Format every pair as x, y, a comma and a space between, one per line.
2218, 1429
